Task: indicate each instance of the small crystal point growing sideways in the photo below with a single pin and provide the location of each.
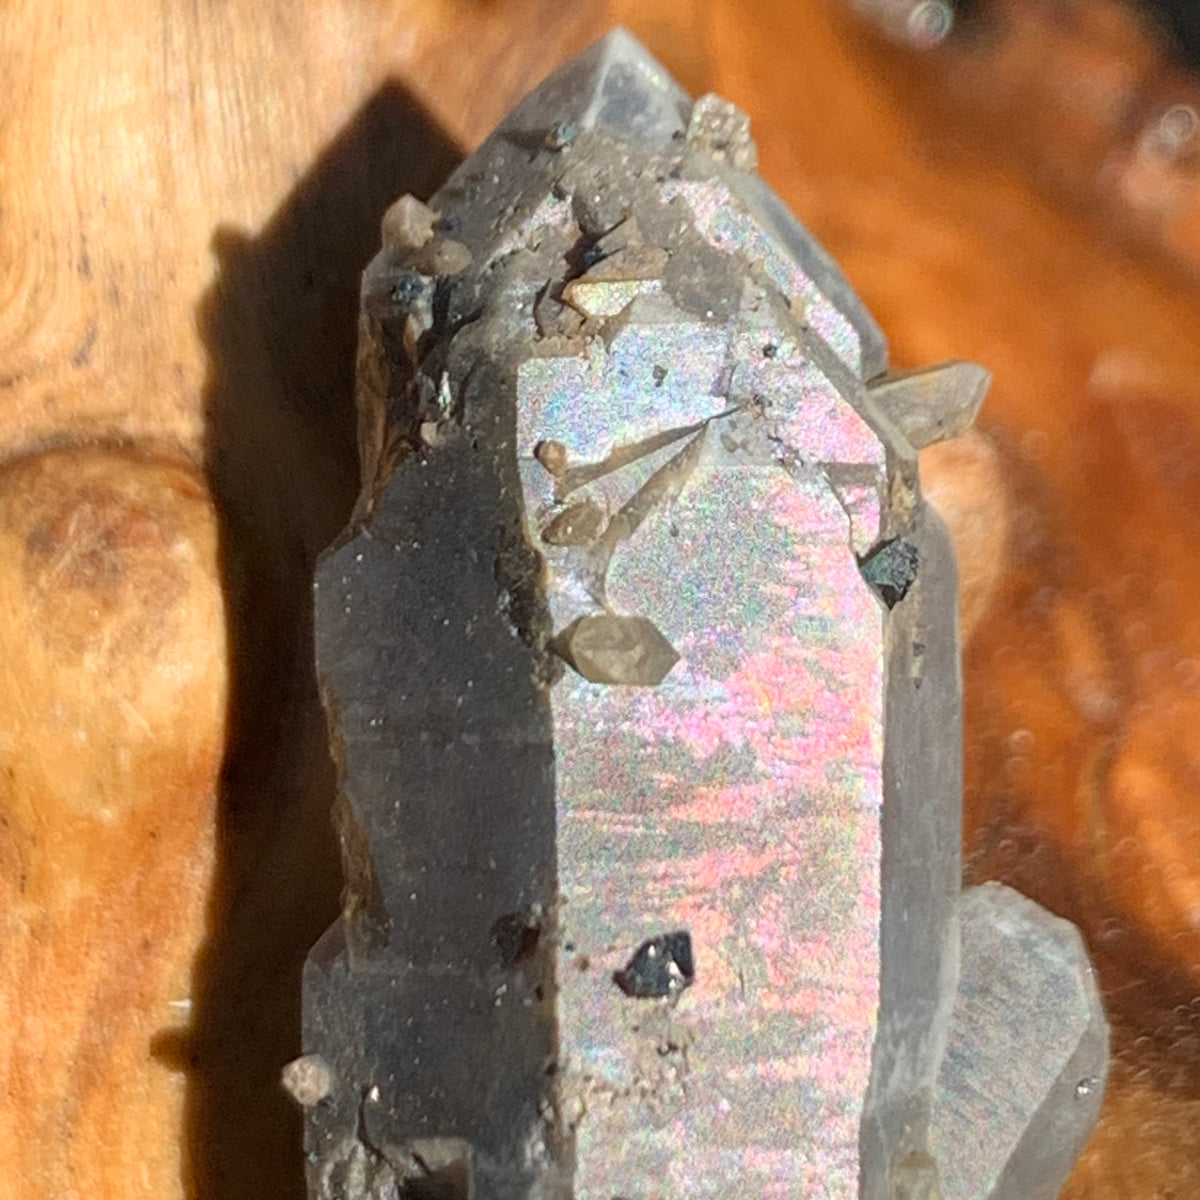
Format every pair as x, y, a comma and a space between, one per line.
642, 675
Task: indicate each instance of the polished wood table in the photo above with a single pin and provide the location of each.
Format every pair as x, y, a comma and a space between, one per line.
188, 194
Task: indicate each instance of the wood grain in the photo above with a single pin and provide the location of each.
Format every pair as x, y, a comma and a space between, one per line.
187, 193
113, 704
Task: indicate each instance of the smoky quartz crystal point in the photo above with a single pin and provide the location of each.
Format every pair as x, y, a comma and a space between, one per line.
642, 673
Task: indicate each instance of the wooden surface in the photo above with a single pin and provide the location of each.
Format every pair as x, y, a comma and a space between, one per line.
187, 193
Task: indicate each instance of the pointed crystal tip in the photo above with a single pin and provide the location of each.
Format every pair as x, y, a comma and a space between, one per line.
934, 403
615, 84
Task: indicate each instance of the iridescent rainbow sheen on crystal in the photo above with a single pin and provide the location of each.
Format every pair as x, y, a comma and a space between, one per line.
739, 800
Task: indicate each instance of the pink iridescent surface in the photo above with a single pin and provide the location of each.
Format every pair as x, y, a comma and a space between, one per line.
740, 800
730, 227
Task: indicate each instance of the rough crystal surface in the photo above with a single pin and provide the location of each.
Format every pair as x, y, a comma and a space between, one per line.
1027, 1056
620, 393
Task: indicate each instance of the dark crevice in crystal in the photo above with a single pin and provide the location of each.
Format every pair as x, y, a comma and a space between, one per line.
448, 1179
516, 937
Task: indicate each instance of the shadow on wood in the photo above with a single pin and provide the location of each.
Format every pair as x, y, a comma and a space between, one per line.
279, 325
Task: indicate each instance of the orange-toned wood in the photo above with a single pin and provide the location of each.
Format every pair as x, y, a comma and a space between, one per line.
187, 193
112, 707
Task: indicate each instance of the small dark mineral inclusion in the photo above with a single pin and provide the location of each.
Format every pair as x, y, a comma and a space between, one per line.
408, 288
660, 967
890, 569
561, 135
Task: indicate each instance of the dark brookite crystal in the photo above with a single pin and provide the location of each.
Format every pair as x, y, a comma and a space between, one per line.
660, 967
891, 568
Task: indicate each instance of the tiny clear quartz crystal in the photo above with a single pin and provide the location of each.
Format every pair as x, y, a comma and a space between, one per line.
642, 673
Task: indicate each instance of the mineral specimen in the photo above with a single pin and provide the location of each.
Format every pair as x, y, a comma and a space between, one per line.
641, 667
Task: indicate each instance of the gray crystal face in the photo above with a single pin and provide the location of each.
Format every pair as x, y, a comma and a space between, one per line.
641, 667
615, 86
1027, 1057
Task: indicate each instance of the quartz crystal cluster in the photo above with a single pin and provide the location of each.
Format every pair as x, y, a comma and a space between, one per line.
641, 666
